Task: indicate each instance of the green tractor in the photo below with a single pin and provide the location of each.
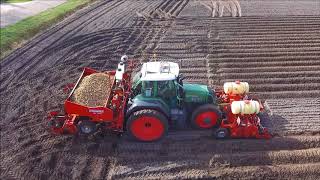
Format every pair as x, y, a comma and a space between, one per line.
161, 99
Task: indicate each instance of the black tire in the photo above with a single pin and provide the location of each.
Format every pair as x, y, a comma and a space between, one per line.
147, 125
210, 121
221, 133
86, 127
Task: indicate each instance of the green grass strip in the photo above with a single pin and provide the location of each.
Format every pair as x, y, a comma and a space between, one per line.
12, 35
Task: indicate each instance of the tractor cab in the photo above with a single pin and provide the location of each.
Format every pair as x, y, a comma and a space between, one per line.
159, 80
162, 80
159, 86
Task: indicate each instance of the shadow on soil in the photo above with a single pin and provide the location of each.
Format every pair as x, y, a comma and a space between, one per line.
199, 152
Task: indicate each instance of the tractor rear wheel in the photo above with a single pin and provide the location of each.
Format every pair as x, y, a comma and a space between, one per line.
206, 117
147, 125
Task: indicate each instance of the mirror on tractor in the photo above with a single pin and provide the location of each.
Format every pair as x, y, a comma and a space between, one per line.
180, 79
180, 90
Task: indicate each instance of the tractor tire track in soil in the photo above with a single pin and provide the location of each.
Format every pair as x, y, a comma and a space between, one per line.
209, 51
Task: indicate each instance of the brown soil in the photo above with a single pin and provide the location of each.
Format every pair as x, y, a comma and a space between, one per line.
93, 90
274, 46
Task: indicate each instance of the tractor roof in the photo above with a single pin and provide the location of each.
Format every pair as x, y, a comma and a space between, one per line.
159, 71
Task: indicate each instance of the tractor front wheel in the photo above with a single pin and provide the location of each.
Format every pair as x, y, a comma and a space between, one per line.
206, 117
147, 125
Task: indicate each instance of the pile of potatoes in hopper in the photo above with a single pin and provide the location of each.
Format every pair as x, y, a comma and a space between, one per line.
93, 90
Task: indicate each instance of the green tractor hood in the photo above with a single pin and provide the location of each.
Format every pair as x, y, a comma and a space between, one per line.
196, 93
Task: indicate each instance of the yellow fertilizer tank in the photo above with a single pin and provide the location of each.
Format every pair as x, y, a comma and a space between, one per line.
245, 107
236, 88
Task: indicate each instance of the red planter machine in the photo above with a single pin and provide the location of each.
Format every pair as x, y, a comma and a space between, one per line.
111, 115
241, 125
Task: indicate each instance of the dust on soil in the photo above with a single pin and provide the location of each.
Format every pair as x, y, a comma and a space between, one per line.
274, 46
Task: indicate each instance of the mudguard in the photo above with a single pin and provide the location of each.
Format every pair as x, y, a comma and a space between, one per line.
150, 104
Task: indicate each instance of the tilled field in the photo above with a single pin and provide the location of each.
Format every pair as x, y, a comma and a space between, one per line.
277, 52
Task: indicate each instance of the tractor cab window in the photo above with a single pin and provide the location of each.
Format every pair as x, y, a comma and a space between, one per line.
166, 89
137, 84
148, 88
136, 77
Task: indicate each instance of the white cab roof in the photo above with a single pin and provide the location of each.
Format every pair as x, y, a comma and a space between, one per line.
159, 71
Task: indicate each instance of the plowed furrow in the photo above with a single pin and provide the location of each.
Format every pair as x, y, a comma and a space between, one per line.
226, 54
274, 26
284, 39
271, 81
248, 33
289, 171
236, 159
183, 5
291, 94
267, 49
270, 74
195, 75
266, 158
198, 62
253, 19
278, 45
256, 24
289, 87
275, 36
194, 152
270, 50
173, 6
235, 69
195, 141
270, 64
279, 57
262, 59
265, 20
164, 171
193, 70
